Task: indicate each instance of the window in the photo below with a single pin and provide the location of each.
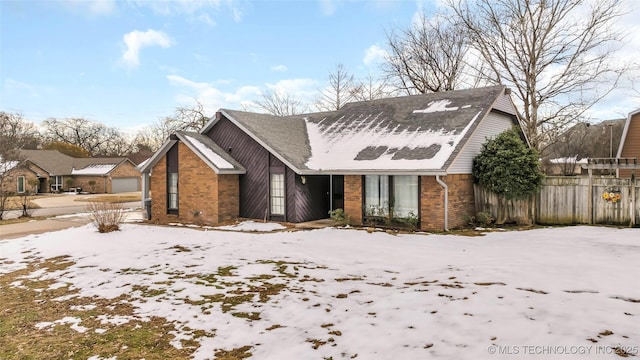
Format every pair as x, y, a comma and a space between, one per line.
277, 194
172, 180
172, 191
376, 190
405, 196
384, 193
56, 183
20, 184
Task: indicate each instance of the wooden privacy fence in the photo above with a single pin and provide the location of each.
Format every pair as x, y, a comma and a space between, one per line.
570, 200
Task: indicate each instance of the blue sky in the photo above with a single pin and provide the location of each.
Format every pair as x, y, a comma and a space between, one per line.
127, 63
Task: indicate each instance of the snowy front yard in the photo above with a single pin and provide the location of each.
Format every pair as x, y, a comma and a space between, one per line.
157, 292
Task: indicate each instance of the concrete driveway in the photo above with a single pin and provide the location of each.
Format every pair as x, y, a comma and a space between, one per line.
52, 206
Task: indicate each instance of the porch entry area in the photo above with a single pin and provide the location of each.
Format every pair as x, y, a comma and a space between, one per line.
300, 198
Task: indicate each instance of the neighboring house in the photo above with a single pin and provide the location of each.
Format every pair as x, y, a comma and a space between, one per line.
408, 158
630, 143
570, 151
52, 169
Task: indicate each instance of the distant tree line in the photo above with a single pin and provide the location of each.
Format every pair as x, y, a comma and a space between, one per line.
556, 55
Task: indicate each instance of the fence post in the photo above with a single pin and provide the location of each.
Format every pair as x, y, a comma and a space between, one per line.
590, 196
632, 206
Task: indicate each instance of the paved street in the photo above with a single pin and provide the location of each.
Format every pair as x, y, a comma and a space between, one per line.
50, 207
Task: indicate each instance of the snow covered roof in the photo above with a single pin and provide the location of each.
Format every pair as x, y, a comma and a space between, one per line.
208, 151
94, 169
142, 164
568, 160
56, 163
419, 133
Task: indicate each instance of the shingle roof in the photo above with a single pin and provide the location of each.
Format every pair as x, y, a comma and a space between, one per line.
212, 154
57, 163
417, 133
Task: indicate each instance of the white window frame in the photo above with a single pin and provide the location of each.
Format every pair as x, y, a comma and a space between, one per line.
57, 185
276, 193
172, 191
21, 180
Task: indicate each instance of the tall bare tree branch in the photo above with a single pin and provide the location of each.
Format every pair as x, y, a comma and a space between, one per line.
277, 103
557, 55
339, 92
427, 56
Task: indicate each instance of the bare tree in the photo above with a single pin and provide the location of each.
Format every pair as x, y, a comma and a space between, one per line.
278, 103
184, 118
427, 56
94, 137
555, 54
339, 92
16, 133
370, 88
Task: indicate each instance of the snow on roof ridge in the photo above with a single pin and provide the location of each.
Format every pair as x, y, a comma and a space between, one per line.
93, 169
216, 159
437, 106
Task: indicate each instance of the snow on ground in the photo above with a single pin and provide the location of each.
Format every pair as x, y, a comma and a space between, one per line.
345, 293
252, 226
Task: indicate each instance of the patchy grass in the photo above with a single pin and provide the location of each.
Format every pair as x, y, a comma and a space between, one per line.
15, 203
111, 198
41, 321
234, 354
20, 220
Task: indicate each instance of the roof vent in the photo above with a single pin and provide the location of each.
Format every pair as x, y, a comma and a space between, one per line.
507, 91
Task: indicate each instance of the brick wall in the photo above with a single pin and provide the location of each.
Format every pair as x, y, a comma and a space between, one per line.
228, 197
431, 204
158, 190
632, 145
10, 180
101, 186
461, 201
353, 198
204, 197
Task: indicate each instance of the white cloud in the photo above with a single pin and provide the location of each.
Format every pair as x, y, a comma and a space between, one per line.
206, 19
211, 97
136, 40
102, 7
241, 98
328, 7
279, 68
300, 87
199, 10
18, 87
374, 55
91, 7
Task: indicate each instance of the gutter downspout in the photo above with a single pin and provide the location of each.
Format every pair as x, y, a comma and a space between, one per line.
446, 202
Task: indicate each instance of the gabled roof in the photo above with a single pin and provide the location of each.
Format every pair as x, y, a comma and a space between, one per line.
56, 163
626, 130
417, 134
208, 151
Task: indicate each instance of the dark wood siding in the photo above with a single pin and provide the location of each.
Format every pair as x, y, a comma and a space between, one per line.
304, 202
312, 201
254, 185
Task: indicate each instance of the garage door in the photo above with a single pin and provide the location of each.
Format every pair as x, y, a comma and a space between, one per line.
127, 184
